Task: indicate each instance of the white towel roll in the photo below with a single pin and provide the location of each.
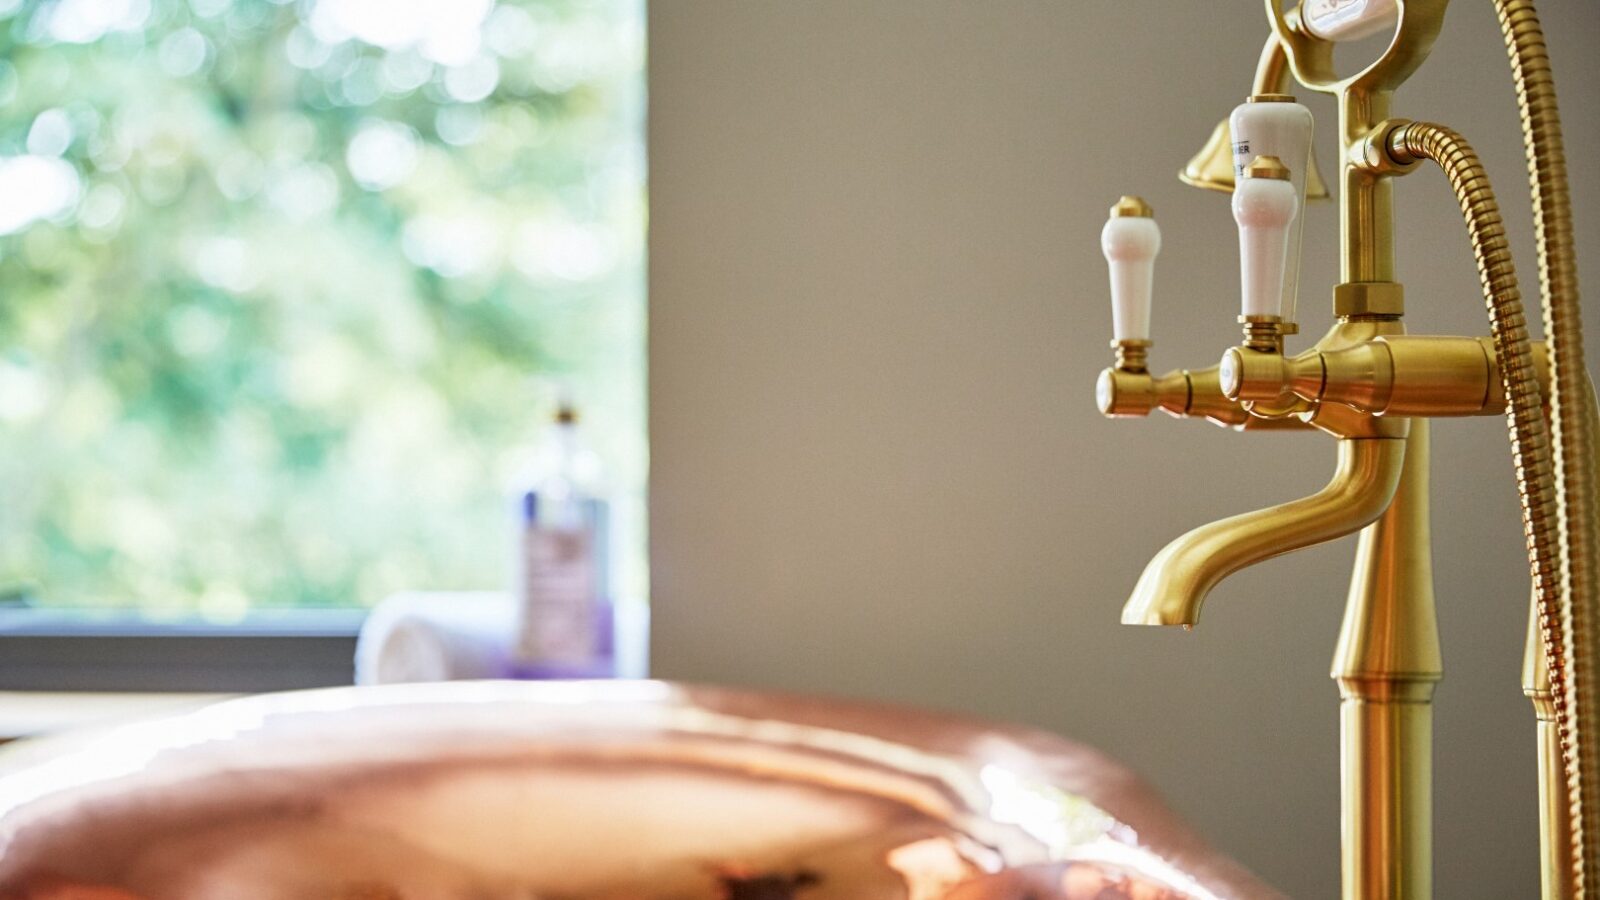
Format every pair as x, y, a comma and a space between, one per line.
436, 636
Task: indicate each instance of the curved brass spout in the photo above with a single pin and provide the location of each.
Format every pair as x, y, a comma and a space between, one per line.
1179, 577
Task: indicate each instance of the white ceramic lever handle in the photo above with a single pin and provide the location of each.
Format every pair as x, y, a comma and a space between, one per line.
1130, 242
1264, 205
1275, 125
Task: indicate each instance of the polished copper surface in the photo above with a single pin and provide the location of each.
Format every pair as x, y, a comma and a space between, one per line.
594, 790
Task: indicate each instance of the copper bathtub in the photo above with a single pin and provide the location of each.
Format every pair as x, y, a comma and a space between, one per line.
593, 790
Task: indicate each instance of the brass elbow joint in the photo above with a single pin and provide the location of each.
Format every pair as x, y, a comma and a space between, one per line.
1127, 390
1121, 394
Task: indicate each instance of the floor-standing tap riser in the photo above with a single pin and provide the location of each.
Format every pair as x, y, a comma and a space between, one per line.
1387, 759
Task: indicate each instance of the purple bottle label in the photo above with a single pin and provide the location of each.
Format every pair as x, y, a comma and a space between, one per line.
565, 628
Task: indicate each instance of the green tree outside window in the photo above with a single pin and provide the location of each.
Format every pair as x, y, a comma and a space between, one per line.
284, 286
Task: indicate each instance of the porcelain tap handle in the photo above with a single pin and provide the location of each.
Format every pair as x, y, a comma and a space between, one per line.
1264, 205
1276, 125
1130, 242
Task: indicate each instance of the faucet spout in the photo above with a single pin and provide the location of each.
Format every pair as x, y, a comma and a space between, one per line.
1178, 579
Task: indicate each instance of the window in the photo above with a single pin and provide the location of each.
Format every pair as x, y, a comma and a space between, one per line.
285, 286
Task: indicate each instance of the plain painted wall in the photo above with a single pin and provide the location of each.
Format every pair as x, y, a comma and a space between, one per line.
877, 308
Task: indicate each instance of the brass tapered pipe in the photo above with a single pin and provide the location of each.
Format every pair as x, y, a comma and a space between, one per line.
1555, 828
1175, 583
1386, 664
1557, 868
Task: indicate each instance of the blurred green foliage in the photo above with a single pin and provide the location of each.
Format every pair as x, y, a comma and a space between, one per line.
278, 281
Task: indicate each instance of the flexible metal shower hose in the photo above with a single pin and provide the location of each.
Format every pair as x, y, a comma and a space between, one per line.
1531, 446
1558, 276
1552, 460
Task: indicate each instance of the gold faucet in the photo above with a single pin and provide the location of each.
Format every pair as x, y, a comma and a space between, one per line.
1179, 577
1374, 388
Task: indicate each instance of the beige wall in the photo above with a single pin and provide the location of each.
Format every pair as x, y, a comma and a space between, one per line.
877, 310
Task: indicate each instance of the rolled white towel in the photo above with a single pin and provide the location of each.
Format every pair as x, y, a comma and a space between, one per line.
436, 636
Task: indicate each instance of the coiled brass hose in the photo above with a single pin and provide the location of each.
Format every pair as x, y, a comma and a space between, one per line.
1558, 277
1531, 446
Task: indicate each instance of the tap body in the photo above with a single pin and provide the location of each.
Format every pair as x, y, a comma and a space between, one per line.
1374, 388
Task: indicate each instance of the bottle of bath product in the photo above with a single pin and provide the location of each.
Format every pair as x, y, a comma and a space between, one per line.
561, 579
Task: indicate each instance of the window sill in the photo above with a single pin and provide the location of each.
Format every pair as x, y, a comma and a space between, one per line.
31, 713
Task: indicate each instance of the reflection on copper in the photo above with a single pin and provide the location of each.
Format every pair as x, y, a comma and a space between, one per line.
738, 883
1063, 881
931, 867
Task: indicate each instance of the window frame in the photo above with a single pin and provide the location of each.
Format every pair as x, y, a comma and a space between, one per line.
94, 650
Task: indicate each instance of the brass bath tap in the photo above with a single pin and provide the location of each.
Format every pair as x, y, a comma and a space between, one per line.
1373, 388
